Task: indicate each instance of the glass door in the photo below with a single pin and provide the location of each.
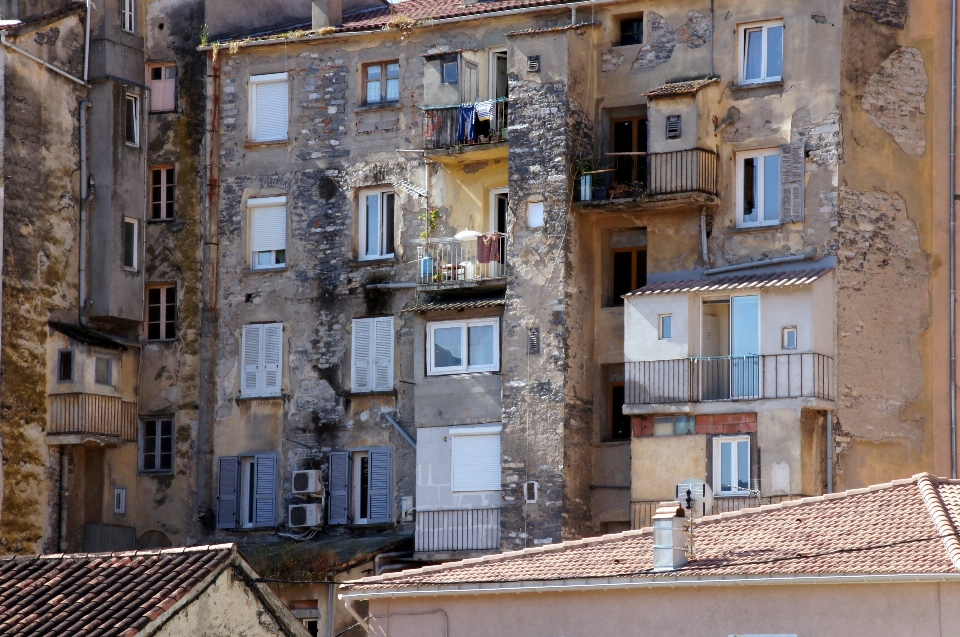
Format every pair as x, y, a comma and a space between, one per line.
745, 347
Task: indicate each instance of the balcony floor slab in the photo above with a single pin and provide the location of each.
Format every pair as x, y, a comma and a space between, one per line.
651, 203
728, 406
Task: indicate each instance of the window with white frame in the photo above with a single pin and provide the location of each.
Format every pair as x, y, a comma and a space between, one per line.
382, 80
666, 326
162, 192
131, 122
376, 223
128, 15
262, 356
269, 107
163, 87
131, 231
372, 354
758, 187
761, 52
162, 312
156, 445
789, 337
268, 232
731, 465
463, 346
475, 458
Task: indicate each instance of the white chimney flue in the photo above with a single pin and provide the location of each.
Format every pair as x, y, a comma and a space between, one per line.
327, 13
669, 546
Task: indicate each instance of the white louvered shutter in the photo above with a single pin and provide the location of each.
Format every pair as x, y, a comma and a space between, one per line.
381, 481
272, 358
383, 353
361, 372
268, 228
265, 490
791, 182
338, 480
251, 359
229, 470
476, 462
271, 102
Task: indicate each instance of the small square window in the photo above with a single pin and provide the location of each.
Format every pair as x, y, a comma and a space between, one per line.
156, 446
450, 69
382, 82
789, 338
120, 501
674, 426
631, 31
463, 346
103, 371
163, 88
65, 366
666, 327
673, 127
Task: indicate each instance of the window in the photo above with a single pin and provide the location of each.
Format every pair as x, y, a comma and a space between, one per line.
758, 187
361, 486
131, 120
162, 192
666, 327
262, 356
674, 426
450, 69
120, 501
499, 204
731, 465
162, 313
761, 52
156, 446
130, 228
383, 82
247, 491
103, 370
629, 272
531, 492
619, 422
463, 346
312, 626
673, 127
65, 366
268, 232
476, 458
163, 87
128, 15
269, 107
372, 354
789, 340
376, 224
631, 31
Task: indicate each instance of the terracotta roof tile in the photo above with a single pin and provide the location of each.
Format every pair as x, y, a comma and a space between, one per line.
681, 88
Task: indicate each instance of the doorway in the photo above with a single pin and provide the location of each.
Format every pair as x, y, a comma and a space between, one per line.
361, 487
729, 366
630, 136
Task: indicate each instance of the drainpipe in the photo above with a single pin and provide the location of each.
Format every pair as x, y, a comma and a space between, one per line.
703, 235
86, 45
64, 491
953, 239
330, 588
829, 452
759, 264
87, 190
3, 41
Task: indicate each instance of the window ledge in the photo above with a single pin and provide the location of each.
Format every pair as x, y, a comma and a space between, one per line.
170, 220
769, 226
771, 84
252, 399
378, 262
382, 392
733, 495
160, 341
614, 443
494, 372
154, 474
255, 145
382, 106
247, 271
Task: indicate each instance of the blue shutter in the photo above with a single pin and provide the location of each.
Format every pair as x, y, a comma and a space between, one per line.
265, 489
227, 492
338, 481
381, 481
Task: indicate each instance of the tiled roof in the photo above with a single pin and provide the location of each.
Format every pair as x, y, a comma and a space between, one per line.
101, 594
432, 10
902, 527
681, 88
735, 282
433, 304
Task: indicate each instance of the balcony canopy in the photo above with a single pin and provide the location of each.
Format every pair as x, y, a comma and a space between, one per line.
734, 282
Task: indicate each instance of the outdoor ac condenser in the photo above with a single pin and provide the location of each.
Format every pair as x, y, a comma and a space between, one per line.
310, 514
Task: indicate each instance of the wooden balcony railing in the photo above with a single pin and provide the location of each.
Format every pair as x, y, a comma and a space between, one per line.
449, 126
457, 530
92, 414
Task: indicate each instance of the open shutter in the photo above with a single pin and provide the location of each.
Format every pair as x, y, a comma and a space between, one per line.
251, 357
268, 228
272, 358
791, 182
383, 352
271, 105
265, 490
338, 479
362, 350
227, 492
381, 480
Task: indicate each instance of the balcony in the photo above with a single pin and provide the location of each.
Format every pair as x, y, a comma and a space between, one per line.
654, 176
641, 511
82, 415
449, 126
729, 378
469, 259
458, 530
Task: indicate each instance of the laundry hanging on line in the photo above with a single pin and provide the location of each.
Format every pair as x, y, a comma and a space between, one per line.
488, 248
465, 129
484, 110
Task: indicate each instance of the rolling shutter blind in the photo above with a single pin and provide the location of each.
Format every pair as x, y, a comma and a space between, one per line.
383, 353
271, 102
362, 350
338, 478
268, 228
252, 337
381, 480
791, 182
476, 462
272, 356
265, 490
262, 355
229, 469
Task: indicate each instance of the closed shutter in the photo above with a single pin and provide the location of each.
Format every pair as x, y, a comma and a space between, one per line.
791, 182
229, 470
163, 94
268, 228
250, 355
476, 462
381, 481
271, 110
383, 352
272, 358
338, 479
265, 490
361, 353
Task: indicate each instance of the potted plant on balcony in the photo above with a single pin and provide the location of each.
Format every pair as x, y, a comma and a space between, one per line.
583, 172
430, 219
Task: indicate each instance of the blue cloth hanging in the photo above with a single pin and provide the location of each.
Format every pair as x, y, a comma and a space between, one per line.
465, 132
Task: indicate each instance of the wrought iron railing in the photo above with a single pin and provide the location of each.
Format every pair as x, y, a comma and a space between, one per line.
457, 530
801, 375
624, 175
79, 413
473, 257
641, 511
451, 126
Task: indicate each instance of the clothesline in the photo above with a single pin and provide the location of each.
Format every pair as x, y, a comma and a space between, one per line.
434, 108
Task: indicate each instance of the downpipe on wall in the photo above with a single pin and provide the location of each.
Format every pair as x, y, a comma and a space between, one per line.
953, 239
87, 190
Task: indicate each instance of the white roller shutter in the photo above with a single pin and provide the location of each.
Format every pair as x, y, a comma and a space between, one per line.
271, 107
268, 227
476, 459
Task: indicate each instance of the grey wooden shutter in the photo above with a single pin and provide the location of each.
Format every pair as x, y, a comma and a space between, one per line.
383, 353
791, 182
338, 480
265, 489
381, 481
227, 492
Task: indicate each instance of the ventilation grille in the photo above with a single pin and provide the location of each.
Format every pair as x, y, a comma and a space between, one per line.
533, 340
533, 63
301, 481
673, 127
120, 501
298, 516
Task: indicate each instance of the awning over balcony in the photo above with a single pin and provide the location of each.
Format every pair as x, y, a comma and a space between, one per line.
681, 88
735, 282
433, 304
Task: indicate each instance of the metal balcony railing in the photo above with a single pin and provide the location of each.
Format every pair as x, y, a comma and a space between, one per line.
472, 257
452, 126
79, 413
802, 375
641, 511
626, 175
457, 530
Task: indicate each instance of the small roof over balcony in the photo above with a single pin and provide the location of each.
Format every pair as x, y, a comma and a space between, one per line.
781, 279
688, 87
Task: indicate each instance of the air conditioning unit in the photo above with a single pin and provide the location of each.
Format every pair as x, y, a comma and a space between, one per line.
310, 514
308, 482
